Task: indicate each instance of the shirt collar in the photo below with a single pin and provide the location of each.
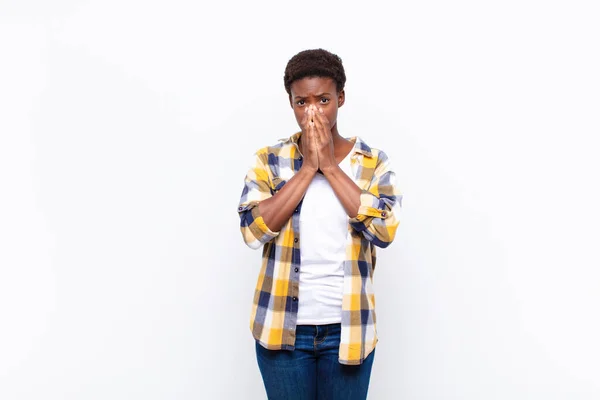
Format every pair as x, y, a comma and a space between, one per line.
359, 145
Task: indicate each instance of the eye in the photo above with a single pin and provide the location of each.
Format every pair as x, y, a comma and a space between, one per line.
300, 102
324, 100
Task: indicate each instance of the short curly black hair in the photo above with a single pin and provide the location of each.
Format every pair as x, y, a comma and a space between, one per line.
317, 62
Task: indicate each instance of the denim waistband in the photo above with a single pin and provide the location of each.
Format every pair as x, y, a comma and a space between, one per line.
318, 330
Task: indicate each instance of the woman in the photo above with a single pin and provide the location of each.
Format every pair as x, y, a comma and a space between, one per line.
318, 204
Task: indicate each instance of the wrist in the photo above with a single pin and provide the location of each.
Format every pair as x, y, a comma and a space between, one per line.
307, 169
330, 169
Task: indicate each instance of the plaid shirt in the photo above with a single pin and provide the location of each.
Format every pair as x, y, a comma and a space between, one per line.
275, 306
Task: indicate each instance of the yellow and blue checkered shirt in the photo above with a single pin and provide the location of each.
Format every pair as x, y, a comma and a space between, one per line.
275, 305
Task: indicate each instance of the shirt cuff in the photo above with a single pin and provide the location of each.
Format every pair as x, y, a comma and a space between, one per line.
258, 227
371, 206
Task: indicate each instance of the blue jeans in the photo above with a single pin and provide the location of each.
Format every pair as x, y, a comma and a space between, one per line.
312, 370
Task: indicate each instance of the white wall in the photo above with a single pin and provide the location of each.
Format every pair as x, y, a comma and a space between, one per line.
122, 271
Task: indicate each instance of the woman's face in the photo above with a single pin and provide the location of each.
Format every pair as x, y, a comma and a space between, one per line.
321, 92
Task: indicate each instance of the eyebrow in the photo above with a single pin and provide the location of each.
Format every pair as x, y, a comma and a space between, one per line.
317, 95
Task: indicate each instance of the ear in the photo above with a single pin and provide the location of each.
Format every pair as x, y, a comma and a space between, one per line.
341, 98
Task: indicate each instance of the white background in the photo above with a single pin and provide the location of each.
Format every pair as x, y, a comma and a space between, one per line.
126, 128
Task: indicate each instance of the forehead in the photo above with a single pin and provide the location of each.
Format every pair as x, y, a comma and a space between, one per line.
313, 85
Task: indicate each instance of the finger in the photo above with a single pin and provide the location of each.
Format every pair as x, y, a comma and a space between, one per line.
305, 126
323, 117
303, 120
320, 115
315, 139
311, 135
308, 122
316, 113
307, 118
319, 123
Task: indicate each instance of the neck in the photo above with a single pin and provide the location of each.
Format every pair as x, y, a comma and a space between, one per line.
337, 138
334, 131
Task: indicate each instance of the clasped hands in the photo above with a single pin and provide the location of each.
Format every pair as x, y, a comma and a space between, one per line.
317, 140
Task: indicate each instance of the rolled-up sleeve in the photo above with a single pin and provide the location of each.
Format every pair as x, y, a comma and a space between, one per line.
380, 205
257, 188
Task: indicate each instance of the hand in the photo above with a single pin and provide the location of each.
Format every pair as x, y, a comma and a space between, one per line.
308, 143
323, 138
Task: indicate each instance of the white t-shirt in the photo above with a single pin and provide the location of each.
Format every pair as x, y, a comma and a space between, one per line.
323, 240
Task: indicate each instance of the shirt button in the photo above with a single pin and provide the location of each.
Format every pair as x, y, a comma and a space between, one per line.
295, 240
295, 298
296, 269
